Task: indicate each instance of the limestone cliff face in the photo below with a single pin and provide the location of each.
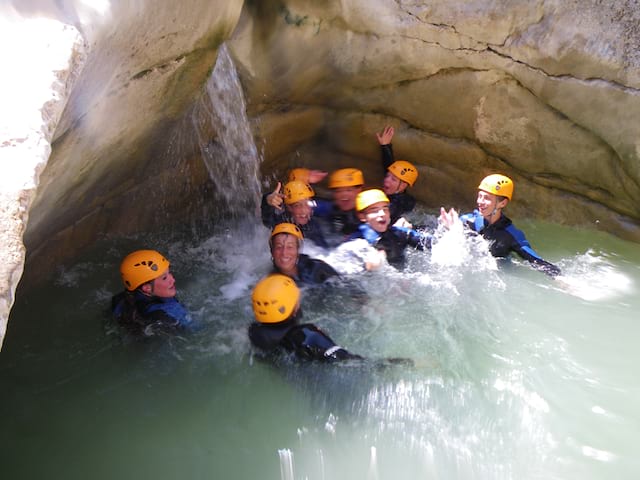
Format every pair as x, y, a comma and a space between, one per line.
94, 95
545, 91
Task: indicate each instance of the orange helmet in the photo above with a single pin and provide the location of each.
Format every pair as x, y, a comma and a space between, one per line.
404, 171
369, 197
301, 174
497, 184
275, 298
296, 190
346, 177
142, 266
288, 228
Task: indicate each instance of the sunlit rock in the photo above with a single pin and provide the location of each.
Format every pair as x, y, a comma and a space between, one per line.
543, 91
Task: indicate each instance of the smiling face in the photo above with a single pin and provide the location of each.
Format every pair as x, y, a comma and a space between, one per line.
377, 216
284, 250
300, 212
392, 184
345, 197
164, 286
490, 205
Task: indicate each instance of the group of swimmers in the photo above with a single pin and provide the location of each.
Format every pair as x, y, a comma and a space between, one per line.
366, 227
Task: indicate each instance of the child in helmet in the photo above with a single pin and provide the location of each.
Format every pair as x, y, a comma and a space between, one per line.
277, 329
494, 193
298, 209
340, 215
285, 244
148, 305
399, 175
376, 234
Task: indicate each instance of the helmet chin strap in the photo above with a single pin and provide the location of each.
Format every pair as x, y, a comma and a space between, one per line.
493, 212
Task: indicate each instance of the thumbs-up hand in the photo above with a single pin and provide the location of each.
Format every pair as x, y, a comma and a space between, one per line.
276, 198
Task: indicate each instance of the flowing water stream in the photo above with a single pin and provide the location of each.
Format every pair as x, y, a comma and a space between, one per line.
516, 375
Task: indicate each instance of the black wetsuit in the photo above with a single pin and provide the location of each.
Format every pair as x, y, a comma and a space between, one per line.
311, 271
399, 203
338, 224
146, 315
305, 341
504, 238
312, 230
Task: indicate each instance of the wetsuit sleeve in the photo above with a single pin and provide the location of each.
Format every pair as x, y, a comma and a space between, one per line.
523, 249
387, 157
416, 239
118, 304
474, 221
311, 343
270, 216
168, 316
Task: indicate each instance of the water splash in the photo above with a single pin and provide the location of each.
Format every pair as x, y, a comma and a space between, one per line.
373, 465
286, 464
594, 278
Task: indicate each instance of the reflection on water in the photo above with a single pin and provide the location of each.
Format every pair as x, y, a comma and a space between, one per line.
516, 375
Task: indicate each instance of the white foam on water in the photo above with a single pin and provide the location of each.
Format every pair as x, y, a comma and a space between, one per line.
286, 464
594, 278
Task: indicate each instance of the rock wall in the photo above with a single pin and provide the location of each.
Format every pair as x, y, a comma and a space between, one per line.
544, 91
108, 112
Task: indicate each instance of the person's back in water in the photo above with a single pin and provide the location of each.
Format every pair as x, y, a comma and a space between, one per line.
277, 329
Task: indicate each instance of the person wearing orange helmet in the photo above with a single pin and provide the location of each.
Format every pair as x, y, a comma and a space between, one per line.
294, 204
374, 211
376, 240
148, 305
339, 215
399, 175
285, 244
494, 193
277, 329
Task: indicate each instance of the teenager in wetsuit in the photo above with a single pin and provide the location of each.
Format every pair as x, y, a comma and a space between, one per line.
148, 305
278, 329
388, 240
494, 193
297, 197
399, 175
339, 216
285, 245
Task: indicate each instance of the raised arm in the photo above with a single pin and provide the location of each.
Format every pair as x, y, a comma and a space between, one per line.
272, 207
384, 139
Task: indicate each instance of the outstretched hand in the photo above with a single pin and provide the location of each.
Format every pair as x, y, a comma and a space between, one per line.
385, 137
375, 260
403, 223
316, 176
276, 198
448, 219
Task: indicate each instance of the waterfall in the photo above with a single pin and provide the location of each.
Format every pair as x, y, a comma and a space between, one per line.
225, 139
